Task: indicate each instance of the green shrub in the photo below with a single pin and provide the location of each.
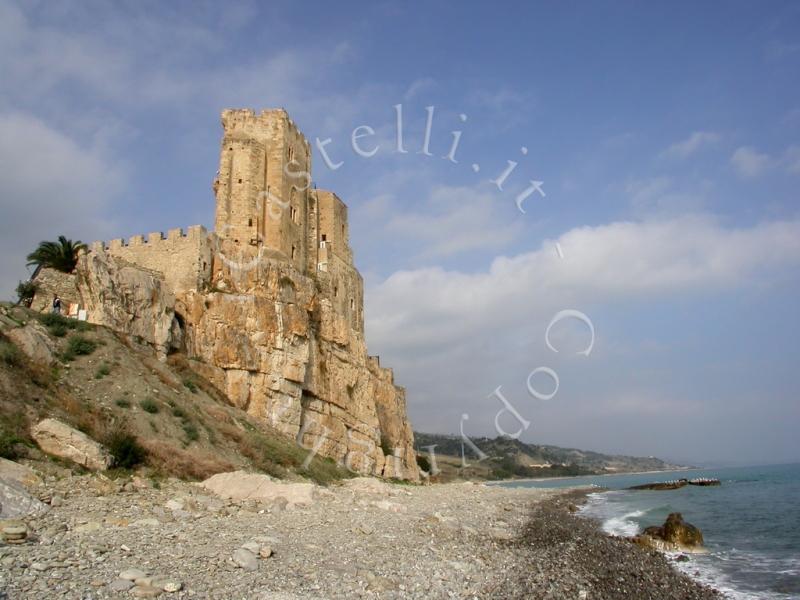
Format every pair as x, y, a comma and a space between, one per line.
277, 456
59, 325
190, 385
192, 435
58, 330
177, 411
125, 449
78, 345
149, 405
123, 403
13, 434
103, 370
10, 354
26, 290
81, 346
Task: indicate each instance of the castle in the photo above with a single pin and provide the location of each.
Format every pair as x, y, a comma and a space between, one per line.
268, 306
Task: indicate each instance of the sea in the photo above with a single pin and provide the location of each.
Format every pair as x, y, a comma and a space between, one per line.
751, 523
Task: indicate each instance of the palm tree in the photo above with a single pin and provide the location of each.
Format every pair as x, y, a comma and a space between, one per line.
61, 255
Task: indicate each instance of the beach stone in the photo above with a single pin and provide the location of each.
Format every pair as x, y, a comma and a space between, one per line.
120, 585
14, 532
132, 574
253, 547
265, 552
146, 591
174, 504
171, 586
245, 559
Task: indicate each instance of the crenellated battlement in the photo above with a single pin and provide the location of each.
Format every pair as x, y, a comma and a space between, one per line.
153, 240
184, 258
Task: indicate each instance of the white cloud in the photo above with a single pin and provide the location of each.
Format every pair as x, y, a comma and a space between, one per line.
50, 185
421, 310
750, 163
686, 148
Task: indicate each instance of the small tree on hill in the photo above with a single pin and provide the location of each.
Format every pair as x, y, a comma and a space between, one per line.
26, 290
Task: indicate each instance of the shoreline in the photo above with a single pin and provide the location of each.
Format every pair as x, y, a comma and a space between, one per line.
362, 539
586, 562
569, 477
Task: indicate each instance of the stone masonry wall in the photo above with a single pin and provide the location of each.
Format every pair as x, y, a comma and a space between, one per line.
183, 260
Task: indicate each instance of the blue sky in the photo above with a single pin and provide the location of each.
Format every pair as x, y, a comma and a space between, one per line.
667, 137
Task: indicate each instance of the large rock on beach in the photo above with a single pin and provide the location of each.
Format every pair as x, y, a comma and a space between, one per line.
59, 439
15, 501
674, 535
240, 485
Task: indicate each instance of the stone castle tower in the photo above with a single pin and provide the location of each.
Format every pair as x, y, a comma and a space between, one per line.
265, 200
269, 306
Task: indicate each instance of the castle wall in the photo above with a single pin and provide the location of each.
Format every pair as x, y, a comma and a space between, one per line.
184, 261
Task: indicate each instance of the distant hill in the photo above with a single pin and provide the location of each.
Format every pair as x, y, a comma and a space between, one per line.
509, 458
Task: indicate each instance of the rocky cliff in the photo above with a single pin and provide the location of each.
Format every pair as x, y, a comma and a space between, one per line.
267, 336
268, 307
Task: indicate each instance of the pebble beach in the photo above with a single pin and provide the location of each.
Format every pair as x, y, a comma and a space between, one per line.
364, 539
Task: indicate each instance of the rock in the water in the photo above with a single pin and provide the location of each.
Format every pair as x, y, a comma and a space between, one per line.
239, 485
15, 501
59, 439
245, 559
675, 534
677, 531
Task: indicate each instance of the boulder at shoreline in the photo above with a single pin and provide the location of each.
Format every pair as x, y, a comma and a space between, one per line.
674, 535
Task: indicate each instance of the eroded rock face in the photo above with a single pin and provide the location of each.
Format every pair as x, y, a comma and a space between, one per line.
267, 336
59, 439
